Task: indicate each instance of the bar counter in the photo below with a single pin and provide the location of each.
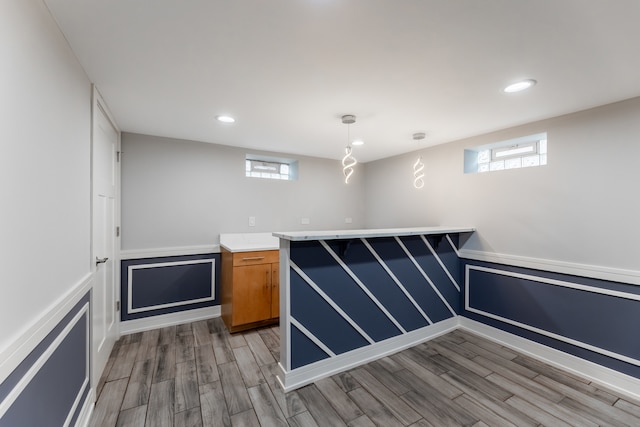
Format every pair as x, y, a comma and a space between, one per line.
351, 296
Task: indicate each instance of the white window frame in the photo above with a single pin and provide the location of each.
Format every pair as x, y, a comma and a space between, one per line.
511, 151
499, 154
265, 167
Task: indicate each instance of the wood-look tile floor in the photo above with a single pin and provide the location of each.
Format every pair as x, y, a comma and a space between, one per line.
198, 374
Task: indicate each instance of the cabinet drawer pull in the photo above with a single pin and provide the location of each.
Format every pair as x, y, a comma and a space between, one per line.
253, 258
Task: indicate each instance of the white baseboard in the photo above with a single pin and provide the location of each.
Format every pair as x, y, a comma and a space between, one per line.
87, 409
302, 376
594, 271
171, 319
624, 384
296, 378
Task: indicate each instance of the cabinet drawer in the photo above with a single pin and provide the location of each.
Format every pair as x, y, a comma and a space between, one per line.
255, 257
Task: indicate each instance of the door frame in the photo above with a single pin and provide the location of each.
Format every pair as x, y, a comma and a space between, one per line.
97, 104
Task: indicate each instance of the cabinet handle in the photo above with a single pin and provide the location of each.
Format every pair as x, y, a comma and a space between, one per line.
253, 258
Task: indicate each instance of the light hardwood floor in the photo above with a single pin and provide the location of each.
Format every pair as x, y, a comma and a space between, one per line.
198, 374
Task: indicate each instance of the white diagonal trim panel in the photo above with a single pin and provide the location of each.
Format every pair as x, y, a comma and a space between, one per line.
453, 246
397, 282
329, 301
433, 286
312, 337
435, 255
362, 286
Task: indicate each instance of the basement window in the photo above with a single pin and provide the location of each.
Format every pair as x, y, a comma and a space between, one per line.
271, 168
524, 152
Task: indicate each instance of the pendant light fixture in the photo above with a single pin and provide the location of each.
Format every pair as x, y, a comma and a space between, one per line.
348, 161
418, 166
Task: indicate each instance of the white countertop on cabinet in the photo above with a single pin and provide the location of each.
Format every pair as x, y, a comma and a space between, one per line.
246, 242
364, 233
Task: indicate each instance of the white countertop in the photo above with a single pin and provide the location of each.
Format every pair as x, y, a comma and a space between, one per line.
245, 242
380, 232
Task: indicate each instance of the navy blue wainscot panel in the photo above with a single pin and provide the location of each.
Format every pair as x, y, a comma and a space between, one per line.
304, 351
370, 272
48, 398
173, 285
411, 278
317, 263
430, 265
448, 255
318, 317
603, 321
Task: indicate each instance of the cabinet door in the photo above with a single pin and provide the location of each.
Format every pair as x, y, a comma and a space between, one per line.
251, 293
275, 290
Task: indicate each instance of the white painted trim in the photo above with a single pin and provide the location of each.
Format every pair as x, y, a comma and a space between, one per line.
424, 274
171, 319
172, 251
85, 384
364, 289
312, 337
296, 378
33, 334
622, 383
87, 410
280, 376
285, 303
397, 281
610, 378
15, 392
131, 268
576, 269
435, 255
329, 301
555, 282
455, 249
97, 97
624, 295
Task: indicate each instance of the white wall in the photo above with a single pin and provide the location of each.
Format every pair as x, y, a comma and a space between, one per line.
583, 207
45, 104
183, 193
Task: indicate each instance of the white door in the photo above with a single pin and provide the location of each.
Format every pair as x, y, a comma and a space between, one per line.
105, 140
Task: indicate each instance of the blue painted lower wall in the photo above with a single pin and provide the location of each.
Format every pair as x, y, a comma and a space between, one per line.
352, 293
51, 384
155, 286
589, 318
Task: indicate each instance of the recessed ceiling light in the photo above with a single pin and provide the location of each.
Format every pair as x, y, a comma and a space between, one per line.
225, 119
357, 142
519, 86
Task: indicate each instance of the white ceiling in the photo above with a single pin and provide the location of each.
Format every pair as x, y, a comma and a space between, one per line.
289, 69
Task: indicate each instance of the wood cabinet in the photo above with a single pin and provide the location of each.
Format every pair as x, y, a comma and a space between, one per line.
250, 289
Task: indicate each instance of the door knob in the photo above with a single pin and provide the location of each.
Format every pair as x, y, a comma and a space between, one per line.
101, 260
